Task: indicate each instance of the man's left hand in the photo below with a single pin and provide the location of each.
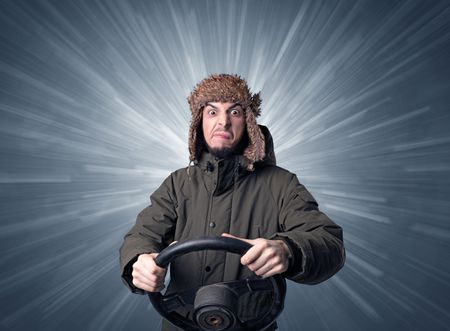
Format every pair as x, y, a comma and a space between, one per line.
267, 257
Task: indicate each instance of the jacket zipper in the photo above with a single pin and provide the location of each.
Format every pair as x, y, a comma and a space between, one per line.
208, 220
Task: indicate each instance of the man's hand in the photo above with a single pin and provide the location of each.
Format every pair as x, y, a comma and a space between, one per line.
147, 275
267, 257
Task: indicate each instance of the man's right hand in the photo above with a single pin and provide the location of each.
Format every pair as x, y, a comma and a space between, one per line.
147, 275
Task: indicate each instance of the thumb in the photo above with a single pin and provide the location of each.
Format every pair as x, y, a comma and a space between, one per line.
250, 241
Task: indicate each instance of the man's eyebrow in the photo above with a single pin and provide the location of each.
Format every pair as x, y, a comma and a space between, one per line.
232, 106
208, 104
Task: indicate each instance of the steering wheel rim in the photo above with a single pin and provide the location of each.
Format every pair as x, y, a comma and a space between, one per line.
163, 303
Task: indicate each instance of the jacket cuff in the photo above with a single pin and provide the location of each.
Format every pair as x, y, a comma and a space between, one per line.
296, 257
127, 277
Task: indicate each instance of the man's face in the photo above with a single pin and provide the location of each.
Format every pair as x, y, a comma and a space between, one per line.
223, 125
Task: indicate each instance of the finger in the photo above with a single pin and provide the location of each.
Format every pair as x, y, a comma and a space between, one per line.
268, 256
147, 266
147, 278
274, 265
250, 241
157, 269
150, 264
252, 255
143, 281
264, 269
274, 271
263, 263
150, 270
148, 287
257, 264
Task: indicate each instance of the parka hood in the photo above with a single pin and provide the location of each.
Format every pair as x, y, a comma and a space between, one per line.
226, 88
269, 158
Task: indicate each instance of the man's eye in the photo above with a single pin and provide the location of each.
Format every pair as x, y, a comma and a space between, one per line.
235, 112
212, 112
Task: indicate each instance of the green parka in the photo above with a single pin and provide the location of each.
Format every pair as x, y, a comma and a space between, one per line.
216, 196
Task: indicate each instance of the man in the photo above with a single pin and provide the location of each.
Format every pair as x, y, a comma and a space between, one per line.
233, 188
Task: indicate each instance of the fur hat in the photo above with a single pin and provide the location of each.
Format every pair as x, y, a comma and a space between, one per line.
226, 88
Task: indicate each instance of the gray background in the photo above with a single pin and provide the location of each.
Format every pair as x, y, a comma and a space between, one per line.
94, 116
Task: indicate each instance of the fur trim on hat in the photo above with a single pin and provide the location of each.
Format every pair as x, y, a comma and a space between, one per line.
226, 88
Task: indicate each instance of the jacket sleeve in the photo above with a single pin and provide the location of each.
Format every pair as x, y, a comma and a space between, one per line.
153, 231
316, 242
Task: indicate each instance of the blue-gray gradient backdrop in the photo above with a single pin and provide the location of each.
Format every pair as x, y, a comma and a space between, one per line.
94, 116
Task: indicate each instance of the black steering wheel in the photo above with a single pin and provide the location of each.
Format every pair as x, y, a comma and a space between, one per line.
215, 306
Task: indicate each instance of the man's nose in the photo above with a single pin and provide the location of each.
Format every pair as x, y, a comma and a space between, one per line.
224, 119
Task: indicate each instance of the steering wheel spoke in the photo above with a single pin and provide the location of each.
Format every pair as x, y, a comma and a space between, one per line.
174, 301
250, 285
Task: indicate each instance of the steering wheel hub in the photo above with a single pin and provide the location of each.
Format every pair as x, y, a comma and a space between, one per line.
214, 318
215, 307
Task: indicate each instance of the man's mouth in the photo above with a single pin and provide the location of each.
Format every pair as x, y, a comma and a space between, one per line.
222, 135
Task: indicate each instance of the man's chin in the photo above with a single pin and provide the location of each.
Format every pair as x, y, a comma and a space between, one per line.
222, 152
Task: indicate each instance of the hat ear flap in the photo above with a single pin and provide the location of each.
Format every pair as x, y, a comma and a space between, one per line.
194, 130
256, 147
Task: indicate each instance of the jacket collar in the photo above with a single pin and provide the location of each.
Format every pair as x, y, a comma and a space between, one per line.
221, 174
209, 162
